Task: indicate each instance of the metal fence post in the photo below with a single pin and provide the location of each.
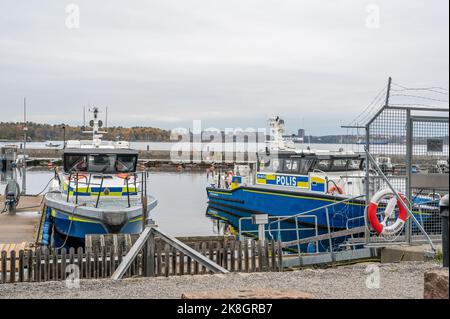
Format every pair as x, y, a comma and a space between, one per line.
367, 180
330, 241
444, 215
409, 153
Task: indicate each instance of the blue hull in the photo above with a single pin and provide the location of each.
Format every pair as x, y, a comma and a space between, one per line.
75, 229
246, 201
257, 200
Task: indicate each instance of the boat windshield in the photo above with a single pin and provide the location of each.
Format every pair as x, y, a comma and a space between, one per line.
100, 163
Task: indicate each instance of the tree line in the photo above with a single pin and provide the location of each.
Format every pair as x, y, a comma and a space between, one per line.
44, 132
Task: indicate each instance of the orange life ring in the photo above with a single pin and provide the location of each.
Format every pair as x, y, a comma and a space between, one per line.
380, 227
122, 175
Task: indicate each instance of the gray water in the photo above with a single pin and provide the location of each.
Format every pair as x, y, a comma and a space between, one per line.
182, 201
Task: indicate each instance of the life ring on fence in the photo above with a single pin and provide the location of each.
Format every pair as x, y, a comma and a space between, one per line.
122, 175
335, 189
380, 227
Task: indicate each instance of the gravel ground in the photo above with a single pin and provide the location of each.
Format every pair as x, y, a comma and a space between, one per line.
402, 280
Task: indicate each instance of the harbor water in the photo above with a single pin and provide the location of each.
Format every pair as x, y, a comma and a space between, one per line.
182, 200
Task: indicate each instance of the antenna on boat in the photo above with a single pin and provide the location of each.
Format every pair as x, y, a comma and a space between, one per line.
95, 124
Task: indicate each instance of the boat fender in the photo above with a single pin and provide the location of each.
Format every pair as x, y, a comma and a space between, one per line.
380, 227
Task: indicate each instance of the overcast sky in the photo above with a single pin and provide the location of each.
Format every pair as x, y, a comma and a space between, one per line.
230, 63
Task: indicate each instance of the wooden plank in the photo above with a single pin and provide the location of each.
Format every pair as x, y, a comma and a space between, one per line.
3, 269
260, 254
46, 266
189, 265
211, 250
113, 260
232, 255
96, 265
158, 260
103, 263
253, 255
246, 260
30, 255
239, 255
280, 256
38, 265
204, 254
266, 256
218, 250
63, 263
12, 269
225, 255
55, 263
80, 261
197, 248
119, 255
21, 265
88, 271
181, 272
273, 256
174, 261
166, 260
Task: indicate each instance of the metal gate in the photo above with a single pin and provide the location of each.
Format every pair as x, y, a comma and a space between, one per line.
410, 146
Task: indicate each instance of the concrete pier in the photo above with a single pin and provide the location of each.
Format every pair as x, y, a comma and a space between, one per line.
23, 226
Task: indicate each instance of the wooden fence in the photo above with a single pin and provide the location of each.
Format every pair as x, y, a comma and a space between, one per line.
43, 264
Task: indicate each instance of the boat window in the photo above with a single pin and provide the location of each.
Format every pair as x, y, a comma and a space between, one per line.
75, 163
354, 164
101, 163
323, 165
305, 165
290, 166
277, 165
339, 165
125, 163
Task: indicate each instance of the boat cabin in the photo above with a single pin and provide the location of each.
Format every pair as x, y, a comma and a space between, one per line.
325, 172
106, 161
304, 163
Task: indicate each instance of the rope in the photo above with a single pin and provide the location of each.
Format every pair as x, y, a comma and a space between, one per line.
45, 188
70, 226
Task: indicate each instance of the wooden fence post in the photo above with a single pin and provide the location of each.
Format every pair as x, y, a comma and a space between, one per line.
239, 256
21, 265
166, 260
253, 250
30, 265
12, 266
3, 268
280, 256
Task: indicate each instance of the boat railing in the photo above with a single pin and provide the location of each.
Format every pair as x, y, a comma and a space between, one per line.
89, 183
279, 229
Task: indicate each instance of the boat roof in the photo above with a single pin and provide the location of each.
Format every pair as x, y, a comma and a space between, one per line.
100, 151
319, 154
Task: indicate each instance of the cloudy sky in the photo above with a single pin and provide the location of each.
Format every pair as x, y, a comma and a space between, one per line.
229, 63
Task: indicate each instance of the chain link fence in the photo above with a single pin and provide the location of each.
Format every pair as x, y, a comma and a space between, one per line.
410, 146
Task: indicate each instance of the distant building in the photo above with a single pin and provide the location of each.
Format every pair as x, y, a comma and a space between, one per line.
299, 138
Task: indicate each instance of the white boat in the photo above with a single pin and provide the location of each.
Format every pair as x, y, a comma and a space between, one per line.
98, 191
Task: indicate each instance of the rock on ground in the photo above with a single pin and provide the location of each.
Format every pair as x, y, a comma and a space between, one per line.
436, 284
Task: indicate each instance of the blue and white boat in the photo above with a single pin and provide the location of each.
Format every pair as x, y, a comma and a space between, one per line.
98, 191
328, 186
